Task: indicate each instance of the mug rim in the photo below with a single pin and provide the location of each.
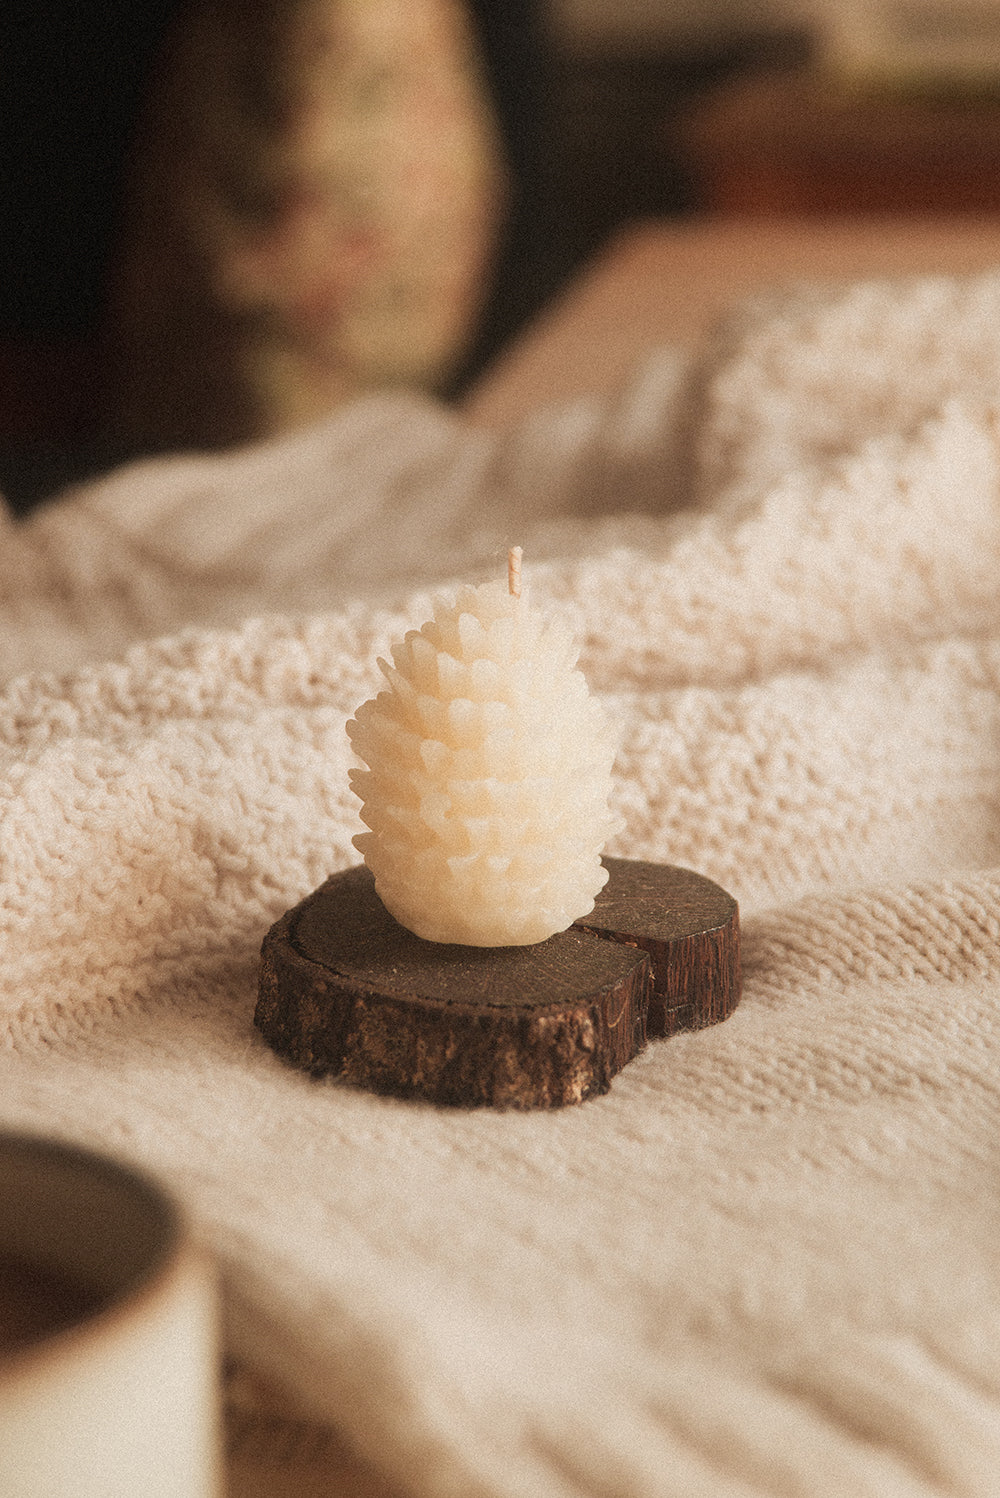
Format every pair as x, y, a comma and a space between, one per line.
165, 1258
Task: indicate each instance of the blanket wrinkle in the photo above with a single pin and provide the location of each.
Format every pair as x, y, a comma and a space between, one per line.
805, 376
946, 932
766, 1263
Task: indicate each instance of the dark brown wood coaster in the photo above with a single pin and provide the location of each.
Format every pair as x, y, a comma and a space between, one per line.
691, 929
345, 990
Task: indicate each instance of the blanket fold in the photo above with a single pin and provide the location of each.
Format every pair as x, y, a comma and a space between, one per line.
767, 1262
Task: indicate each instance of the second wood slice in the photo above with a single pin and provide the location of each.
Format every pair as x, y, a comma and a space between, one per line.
691, 929
345, 990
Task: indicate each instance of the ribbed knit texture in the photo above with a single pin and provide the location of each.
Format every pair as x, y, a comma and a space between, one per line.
768, 1262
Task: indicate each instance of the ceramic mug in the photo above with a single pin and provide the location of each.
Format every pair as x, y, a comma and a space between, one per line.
108, 1357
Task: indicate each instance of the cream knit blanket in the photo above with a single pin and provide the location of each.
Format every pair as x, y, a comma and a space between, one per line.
768, 1262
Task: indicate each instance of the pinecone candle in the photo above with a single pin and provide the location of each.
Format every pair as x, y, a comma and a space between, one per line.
489, 768
486, 796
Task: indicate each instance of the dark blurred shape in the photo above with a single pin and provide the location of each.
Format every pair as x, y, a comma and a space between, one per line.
312, 214
74, 76
589, 141
800, 142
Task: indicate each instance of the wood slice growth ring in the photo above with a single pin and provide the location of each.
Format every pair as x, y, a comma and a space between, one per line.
347, 991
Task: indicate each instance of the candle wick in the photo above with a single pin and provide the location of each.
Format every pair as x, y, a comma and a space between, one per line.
514, 571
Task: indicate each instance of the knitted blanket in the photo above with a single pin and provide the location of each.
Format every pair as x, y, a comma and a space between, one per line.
768, 1261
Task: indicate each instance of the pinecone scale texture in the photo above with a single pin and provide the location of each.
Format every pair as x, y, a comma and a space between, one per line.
488, 776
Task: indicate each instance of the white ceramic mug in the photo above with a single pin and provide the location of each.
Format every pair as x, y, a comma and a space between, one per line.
108, 1355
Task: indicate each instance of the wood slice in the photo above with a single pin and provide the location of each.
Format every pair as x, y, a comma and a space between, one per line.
346, 990
691, 929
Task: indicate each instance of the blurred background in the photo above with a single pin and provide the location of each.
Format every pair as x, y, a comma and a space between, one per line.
222, 217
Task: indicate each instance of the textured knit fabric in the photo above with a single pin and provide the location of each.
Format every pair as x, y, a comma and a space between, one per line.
768, 1261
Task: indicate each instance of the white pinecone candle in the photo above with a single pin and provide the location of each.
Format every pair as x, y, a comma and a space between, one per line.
489, 768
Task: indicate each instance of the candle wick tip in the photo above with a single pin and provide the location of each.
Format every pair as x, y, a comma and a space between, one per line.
514, 571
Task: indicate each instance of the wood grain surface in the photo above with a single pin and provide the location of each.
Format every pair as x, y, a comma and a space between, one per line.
347, 991
691, 929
